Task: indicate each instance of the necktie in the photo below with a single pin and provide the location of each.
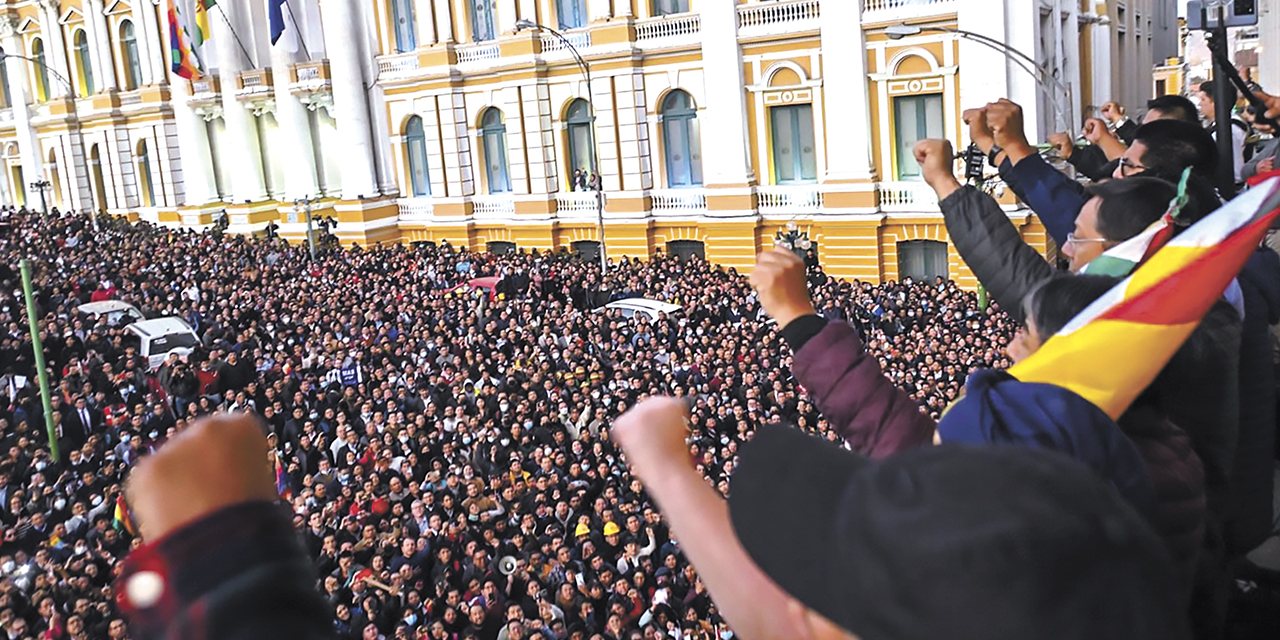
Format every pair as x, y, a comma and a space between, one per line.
84, 417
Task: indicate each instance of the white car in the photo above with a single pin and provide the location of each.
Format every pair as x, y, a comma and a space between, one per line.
160, 337
650, 308
116, 311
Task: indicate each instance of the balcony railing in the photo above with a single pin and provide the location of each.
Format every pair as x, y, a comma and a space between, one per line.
679, 202
907, 196
890, 10
479, 53
416, 208
254, 84
315, 71
576, 204
205, 85
402, 64
579, 39
656, 32
790, 199
501, 205
778, 17
132, 97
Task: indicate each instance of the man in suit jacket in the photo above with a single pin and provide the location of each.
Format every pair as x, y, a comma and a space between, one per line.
79, 421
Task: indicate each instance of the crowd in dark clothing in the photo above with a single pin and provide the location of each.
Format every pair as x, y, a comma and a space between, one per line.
444, 449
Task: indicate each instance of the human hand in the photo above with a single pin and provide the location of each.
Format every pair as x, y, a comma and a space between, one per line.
1095, 130
1273, 104
936, 159
979, 131
779, 279
218, 462
1113, 112
1005, 119
1266, 164
652, 434
1063, 144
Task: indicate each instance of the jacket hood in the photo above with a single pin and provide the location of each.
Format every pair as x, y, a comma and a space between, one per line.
1001, 410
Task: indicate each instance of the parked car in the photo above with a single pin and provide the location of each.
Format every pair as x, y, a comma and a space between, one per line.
160, 337
650, 308
117, 312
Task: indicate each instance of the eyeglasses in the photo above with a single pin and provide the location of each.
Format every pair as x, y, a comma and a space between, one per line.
1128, 166
1072, 239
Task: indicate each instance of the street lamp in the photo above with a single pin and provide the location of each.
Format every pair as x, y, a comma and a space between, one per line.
42, 186
305, 204
1024, 61
794, 240
523, 25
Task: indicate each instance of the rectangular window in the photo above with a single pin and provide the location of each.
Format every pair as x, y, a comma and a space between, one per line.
794, 155
668, 7
483, 21
572, 13
915, 118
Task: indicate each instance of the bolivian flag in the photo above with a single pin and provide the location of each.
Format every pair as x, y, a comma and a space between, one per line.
1115, 348
123, 519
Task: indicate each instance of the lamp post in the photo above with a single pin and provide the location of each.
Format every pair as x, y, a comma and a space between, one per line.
794, 240
522, 25
305, 205
42, 186
1024, 61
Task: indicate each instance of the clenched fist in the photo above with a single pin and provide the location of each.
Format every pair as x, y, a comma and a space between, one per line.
979, 132
218, 462
1063, 144
936, 159
653, 434
779, 279
1005, 119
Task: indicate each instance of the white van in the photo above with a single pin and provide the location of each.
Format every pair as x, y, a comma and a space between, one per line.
116, 311
162, 336
644, 306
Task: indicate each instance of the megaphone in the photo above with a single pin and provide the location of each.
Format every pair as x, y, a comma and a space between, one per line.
507, 565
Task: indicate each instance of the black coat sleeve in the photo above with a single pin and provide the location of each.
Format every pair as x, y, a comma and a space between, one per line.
988, 242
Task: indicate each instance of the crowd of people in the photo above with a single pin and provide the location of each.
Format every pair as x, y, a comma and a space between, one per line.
444, 449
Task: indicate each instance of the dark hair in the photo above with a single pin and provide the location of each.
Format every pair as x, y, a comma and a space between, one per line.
1209, 88
1130, 206
1174, 145
1175, 108
1056, 301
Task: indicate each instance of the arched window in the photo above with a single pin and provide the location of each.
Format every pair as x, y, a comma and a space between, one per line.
82, 61
581, 152
668, 7
494, 133
415, 141
145, 188
99, 180
405, 24
682, 140
572, 13
42, 71
132, 62
483, 20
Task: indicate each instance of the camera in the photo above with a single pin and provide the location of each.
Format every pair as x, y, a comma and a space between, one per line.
974, 161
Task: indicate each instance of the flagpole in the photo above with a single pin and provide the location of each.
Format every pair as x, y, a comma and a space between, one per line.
232, 29
298, 31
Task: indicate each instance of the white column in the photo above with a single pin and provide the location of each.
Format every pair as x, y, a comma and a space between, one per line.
444, 21
844, 92
291, 114
529, 11
424, 12
351, 106
599, 10
1269, 55
20, 93
146, 43
977, 89
725, 162
241, 152
55, 49
506, 16
633, 133
622, 8
95, 55
195, 180
539, 149
101, 38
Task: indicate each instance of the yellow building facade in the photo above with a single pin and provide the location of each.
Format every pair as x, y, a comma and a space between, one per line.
712, 124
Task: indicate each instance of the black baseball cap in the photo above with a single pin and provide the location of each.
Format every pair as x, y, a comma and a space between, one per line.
952, 542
